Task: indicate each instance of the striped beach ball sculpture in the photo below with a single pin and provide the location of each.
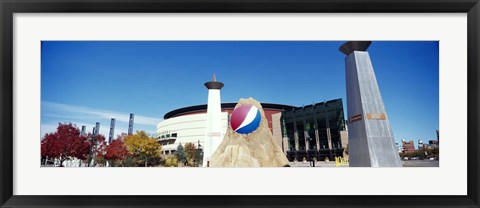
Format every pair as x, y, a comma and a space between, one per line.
245, 119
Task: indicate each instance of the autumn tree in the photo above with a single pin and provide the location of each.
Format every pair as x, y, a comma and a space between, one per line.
143, 146
171, 161
100, 145
65, 143
84, 145
190, 150
116, 152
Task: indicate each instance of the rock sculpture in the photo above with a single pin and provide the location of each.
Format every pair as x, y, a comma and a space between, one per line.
256, 149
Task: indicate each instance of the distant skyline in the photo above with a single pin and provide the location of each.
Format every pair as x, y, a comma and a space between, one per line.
84, 82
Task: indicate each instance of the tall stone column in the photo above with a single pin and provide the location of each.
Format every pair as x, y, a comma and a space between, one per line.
370, 137
130, 124
112, 129
213, 134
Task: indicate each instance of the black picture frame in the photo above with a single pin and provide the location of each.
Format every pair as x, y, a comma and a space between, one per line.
9, 7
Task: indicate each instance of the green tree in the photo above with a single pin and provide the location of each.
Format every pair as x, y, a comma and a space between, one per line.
181, 154
198, 157
143, 147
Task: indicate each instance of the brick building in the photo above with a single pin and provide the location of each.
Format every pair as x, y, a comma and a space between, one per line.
408, 146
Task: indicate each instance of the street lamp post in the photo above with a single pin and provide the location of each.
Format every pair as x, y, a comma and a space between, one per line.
199, 152
307, 146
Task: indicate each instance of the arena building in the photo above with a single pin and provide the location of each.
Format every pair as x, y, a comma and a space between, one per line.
318, 130
188, 124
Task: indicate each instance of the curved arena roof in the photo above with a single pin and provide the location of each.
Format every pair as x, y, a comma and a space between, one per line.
202, 108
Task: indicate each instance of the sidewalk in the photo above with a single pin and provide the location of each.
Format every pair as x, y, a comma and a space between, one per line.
317, 164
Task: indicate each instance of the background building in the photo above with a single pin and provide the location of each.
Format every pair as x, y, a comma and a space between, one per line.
433, 144
421, 145
408, 146
314, 131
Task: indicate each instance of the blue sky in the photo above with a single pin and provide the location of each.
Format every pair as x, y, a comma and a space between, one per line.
88, 81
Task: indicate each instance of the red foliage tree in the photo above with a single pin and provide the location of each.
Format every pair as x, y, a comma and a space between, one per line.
100, 146
64, 144
116, 151
80, 147
50, 146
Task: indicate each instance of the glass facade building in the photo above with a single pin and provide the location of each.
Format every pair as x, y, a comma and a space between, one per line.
313, 131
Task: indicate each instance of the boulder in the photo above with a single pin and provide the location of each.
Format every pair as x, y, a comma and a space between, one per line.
257, 149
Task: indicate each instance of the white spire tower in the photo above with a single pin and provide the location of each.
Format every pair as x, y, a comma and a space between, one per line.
213, 134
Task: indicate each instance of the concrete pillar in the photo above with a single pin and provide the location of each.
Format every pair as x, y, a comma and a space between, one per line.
370, 137
213, 134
